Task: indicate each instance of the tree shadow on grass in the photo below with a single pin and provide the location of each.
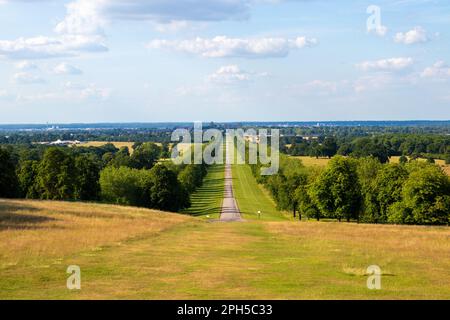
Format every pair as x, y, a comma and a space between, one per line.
12, 218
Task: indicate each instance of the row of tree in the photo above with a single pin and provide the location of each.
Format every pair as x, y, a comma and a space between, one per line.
363, 190
381, 147
99, 174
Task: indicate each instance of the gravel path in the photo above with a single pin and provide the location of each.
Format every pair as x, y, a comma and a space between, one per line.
230, 211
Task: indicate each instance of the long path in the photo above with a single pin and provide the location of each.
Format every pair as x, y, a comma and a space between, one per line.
230, 210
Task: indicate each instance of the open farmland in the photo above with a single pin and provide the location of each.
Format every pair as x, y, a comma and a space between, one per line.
117, 144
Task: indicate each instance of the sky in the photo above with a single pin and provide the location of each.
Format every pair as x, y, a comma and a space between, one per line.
223, 60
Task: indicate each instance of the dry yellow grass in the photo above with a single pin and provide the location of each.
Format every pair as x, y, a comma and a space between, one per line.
414, 260
129, 253
312, 161
117, 144
102, 143
37, 230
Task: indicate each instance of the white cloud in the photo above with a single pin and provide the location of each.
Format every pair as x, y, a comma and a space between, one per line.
227, 77
222, 46
90, 16
416, 35
66, 69
439, 70
83, 17
26, 65
391, 64
93, 91
27, 78
42, 47
230, 75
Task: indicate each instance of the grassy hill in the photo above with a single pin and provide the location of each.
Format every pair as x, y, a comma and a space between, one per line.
127, 253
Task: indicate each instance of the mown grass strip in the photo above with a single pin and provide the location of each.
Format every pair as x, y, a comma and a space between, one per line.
251, 198
206, 201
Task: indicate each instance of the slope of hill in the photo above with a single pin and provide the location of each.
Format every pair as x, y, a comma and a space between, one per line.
31, 232
131, 253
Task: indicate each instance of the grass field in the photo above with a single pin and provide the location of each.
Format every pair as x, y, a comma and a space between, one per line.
251, 197
313, 161
102, 143
129, 253
207, 200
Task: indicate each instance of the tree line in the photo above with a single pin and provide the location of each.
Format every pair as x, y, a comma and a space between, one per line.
106, 174
382, 146
363, 190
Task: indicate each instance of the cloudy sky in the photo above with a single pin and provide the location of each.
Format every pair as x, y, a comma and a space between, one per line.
223, 60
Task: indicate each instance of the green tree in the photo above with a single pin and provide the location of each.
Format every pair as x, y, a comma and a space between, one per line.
368, 169
287, 193
447, 158
427, 194
305, 195
56, 177
403, 159
121, 158
88, 173
367, 147
388, 189
9, 185
125, 186
329, 147
337, 192
145, 155
27, 174
165, 191
399, 213
191, 177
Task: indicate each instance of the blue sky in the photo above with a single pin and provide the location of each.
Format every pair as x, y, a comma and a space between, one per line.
223, 60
